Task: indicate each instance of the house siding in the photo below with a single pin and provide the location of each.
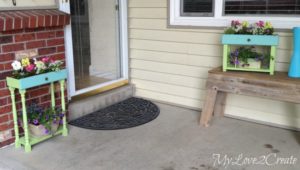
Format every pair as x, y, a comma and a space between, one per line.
170, 65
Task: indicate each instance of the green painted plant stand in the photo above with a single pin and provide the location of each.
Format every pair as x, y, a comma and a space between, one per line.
23, 84
249, 40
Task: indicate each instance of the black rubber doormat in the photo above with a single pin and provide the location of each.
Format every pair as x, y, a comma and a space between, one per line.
128, 113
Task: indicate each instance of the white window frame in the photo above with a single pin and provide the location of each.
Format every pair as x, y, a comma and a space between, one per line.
218, 20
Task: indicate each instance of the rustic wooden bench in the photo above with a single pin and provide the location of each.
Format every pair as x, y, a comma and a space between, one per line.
219, 83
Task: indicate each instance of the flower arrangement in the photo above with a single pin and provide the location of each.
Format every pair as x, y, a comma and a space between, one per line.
240, 56
45, 117
30, 67
258, 28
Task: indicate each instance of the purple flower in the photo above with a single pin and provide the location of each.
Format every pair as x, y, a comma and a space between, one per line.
35, 122
61, 115
61, 122
54, 121
236, 61
47, 131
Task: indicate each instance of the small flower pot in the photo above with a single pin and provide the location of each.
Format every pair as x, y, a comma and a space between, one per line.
252, 63
40, 130
37, 130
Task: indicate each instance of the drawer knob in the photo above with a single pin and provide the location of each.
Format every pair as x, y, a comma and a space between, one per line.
248, 39
46, 79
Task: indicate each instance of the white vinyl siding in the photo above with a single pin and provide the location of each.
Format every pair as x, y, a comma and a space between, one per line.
171, 65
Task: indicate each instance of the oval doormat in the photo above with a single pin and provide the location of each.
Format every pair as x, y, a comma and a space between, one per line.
128, 113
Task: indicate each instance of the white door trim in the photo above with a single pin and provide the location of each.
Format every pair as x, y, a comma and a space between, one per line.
123, 5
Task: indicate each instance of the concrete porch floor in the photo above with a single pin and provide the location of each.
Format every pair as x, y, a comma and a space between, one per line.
173, 141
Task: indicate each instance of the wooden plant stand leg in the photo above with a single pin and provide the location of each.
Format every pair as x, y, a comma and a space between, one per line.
220, 104
25, 122
208, 108
52, 95
15, 116
63, 106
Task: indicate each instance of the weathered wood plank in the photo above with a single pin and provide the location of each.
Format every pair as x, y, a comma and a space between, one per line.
278, 87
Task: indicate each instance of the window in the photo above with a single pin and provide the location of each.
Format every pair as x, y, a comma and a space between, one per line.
283, 14
196, 8
262, 7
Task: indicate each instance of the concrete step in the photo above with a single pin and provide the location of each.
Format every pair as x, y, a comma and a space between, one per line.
91, 104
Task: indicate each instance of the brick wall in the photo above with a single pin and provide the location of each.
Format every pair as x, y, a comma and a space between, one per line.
48, 41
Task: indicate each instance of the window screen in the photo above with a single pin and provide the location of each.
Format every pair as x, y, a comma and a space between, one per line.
197, 7
261, 7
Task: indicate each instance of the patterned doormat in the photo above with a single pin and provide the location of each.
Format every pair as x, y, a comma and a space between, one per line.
128, 113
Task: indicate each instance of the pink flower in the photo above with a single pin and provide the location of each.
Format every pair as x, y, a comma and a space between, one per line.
45, 59
30, 67
260, 24
235, 23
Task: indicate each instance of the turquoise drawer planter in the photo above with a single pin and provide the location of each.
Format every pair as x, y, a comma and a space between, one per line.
229, 40
264, 40
27, 140
37, 80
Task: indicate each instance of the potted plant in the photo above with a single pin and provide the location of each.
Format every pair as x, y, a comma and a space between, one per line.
247, 57
249, 35
29, 73
43, 121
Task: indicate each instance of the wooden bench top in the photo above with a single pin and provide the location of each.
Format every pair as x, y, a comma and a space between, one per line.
276, 87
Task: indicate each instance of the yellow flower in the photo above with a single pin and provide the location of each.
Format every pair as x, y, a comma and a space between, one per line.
25, 62
268, 25
245, 23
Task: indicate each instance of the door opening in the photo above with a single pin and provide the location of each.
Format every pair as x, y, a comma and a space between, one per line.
98, 51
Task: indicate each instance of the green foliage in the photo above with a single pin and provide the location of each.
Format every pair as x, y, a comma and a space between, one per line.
43, 116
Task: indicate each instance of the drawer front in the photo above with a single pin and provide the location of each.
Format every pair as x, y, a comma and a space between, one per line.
42, 79
264, 40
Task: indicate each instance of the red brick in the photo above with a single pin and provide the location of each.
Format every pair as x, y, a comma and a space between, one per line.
45, 35
54, 42
8, 23
24, 37
2, 84
33, 22
11, 116
54, 20
7, 57
45, 98
35, 44
4, 118
3, 75
7, 66
13, 47
45, 51
61, 20
8, 142
61, 48
4, 92
39, 92
3, 101
1, 24
47, 20
5, 109
6, 39
60, 34
18, 22
1, 67
58, 56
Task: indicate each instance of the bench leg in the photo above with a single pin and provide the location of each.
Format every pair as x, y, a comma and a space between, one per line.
220, 104
208, 107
